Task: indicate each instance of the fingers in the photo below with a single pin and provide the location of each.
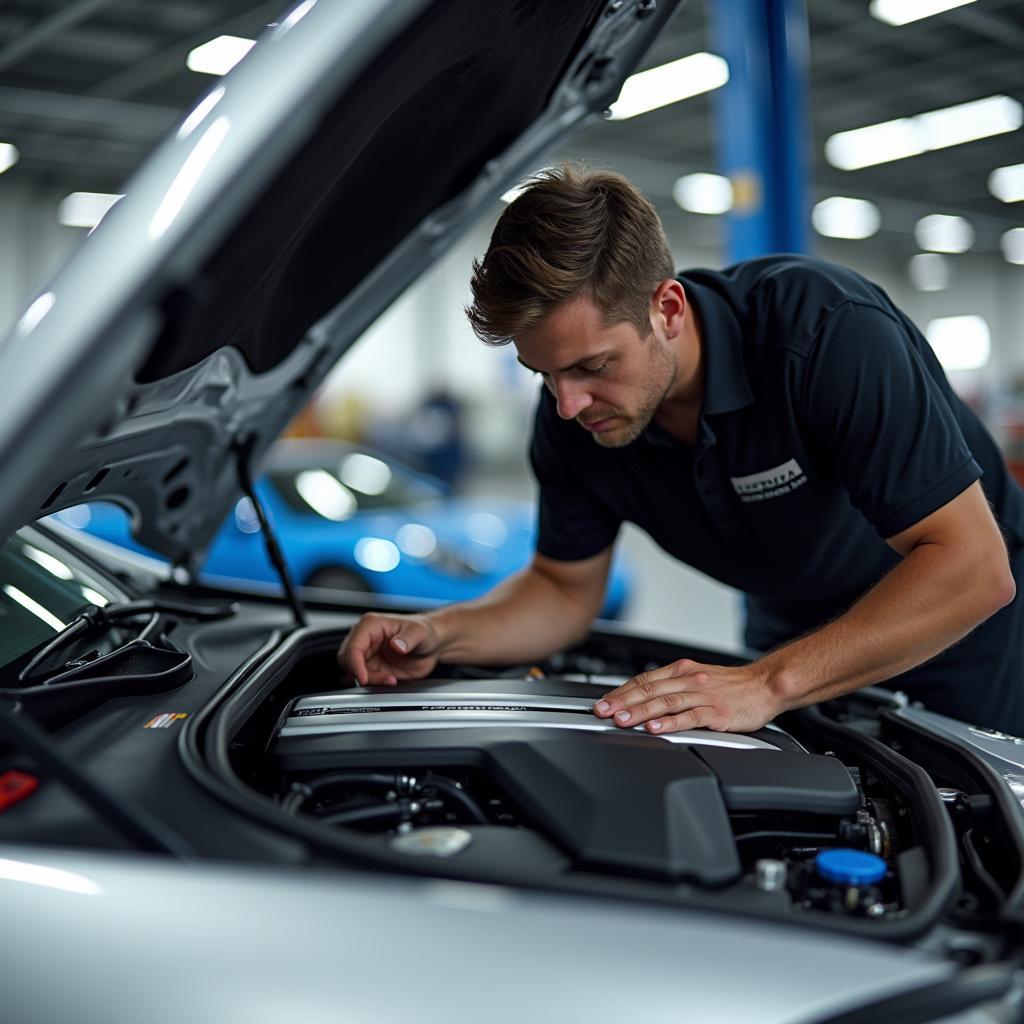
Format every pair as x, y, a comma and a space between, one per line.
688, 695
670, 702
355, 661
381, 649
657, 692
407, 637
694, 718
360, 644
646, 682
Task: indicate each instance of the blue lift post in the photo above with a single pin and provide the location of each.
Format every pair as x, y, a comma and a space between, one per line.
761, 123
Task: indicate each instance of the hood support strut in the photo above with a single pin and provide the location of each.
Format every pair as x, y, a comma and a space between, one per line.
243, 454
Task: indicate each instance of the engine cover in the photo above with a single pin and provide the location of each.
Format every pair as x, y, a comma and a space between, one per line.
613, 799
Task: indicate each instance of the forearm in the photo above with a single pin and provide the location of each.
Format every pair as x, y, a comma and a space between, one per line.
527, 617
931, 599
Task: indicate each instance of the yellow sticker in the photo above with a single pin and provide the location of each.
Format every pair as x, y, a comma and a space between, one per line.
166, 720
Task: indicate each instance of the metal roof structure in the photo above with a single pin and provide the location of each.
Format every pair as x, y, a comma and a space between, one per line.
88, 87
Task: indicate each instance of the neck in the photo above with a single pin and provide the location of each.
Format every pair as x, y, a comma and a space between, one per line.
681, 423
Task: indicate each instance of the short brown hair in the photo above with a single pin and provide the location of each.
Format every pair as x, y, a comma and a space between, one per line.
573, 231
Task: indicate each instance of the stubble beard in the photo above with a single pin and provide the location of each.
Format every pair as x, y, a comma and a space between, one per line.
664, 368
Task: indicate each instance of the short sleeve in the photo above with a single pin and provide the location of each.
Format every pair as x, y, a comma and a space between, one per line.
572, 523
879, 408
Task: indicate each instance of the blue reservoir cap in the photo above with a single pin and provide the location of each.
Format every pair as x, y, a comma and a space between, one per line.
850, 867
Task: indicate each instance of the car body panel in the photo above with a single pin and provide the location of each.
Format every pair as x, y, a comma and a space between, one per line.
311, 946
170, 351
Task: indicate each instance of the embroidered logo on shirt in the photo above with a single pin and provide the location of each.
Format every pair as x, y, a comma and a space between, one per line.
771, 483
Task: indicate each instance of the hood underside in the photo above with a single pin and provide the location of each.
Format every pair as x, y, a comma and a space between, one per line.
306, 191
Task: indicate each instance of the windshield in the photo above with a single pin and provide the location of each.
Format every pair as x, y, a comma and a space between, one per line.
41, 590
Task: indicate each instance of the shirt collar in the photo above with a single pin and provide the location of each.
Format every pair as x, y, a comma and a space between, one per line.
726, 387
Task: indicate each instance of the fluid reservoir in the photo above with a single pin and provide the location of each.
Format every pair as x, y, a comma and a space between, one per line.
850, 867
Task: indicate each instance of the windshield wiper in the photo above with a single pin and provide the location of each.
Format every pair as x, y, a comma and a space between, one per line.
94, 618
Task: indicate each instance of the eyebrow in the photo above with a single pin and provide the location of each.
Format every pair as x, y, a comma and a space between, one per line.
572, 366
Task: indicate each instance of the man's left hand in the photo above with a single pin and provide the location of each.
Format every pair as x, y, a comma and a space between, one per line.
689, 695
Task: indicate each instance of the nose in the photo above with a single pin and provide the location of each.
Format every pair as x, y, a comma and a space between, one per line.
571, 398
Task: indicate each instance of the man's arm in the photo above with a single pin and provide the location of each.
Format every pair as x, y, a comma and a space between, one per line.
954, 574
530, 615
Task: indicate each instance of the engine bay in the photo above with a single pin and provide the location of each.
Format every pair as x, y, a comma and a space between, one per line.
475, 772
506, 775
845, 817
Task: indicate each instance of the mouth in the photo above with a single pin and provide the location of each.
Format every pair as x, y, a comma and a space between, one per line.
596, 426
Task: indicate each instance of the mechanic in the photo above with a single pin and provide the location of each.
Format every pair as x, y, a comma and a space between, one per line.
779, 425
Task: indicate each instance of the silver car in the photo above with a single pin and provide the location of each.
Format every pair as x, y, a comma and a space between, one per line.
200, 821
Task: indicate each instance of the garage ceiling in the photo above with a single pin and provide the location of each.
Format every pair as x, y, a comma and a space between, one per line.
88, 87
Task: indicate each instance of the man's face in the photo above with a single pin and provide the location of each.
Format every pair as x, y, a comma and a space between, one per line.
608, 379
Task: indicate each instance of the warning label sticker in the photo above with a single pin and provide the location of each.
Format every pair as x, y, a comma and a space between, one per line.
166, 720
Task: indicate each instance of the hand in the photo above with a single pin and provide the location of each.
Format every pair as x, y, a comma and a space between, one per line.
381, 649
689, 695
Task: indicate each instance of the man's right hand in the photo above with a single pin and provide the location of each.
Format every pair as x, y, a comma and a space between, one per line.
381, 649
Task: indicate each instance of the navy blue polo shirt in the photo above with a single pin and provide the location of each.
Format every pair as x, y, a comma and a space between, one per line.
827, 424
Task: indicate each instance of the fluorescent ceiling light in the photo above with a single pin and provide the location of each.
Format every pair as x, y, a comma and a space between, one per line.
874, 144
939, 232
902, 12
1012, 244
670, 83
934, 129
978, 119
960, 342
842, 217
218, 56
1007, 183
930, 272
85, 209
8, 156
703, 193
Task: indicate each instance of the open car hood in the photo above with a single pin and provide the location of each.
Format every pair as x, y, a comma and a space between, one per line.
299, 198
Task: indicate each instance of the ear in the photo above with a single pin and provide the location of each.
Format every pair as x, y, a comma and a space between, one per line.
668, 307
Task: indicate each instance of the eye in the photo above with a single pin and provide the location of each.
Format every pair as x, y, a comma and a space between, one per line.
599, 368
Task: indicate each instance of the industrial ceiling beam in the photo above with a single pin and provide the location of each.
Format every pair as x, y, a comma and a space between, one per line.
59, 22
158, 66
35, 103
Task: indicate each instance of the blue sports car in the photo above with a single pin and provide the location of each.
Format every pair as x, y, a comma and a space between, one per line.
350, 518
